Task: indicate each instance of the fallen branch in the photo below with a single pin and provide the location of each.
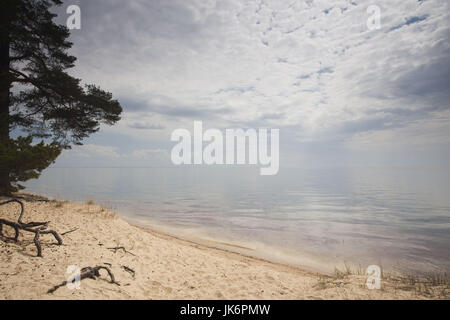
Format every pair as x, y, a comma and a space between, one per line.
121, 248
38, 228
70, 231
129, 270
88, 272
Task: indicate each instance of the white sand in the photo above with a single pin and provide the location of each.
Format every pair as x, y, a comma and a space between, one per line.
166, 267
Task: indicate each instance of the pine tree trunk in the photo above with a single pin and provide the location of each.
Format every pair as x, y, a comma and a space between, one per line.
5, 84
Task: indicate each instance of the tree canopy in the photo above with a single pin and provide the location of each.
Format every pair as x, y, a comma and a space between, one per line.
50, 109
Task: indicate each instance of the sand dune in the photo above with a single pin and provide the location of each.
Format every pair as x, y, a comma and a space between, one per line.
165, 267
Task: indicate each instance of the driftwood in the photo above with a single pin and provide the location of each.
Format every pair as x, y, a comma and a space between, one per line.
38, 228
88, 273
70, 231
130, 271
121, 248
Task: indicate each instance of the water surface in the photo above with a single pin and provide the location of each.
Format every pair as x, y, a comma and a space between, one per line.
398, 217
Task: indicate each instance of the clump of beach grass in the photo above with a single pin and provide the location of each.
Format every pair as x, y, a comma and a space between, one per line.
432, 285
59, 204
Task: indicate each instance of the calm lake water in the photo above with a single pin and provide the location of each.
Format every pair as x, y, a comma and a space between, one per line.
319, 218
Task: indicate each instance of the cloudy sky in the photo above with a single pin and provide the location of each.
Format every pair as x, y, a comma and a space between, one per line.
340, 94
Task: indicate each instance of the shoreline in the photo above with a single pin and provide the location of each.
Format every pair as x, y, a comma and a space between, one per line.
164, 266
225, 250
314, 256
314, 265
226, 246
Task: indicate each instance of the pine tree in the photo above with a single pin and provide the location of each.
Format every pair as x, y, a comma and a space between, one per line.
43, 105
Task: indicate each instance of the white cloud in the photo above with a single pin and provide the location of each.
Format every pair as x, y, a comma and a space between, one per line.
233, 63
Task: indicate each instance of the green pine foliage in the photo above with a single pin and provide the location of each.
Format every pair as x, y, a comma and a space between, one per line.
25, 160
38, 98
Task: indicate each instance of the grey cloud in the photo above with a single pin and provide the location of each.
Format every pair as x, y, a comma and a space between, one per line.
425, 85
147, 50
264, 121
169, 108
272, 116
432, 79
386, 118
305, 76
367, 124
236, 89
146, 126
325, 70
122, 20
112, 27
188, 112
409, 21
318, 72
402, 112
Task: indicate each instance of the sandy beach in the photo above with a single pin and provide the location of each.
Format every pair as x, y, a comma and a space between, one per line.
153, 265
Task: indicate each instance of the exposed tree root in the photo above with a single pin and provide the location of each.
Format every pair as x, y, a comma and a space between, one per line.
91, 273
38, 228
